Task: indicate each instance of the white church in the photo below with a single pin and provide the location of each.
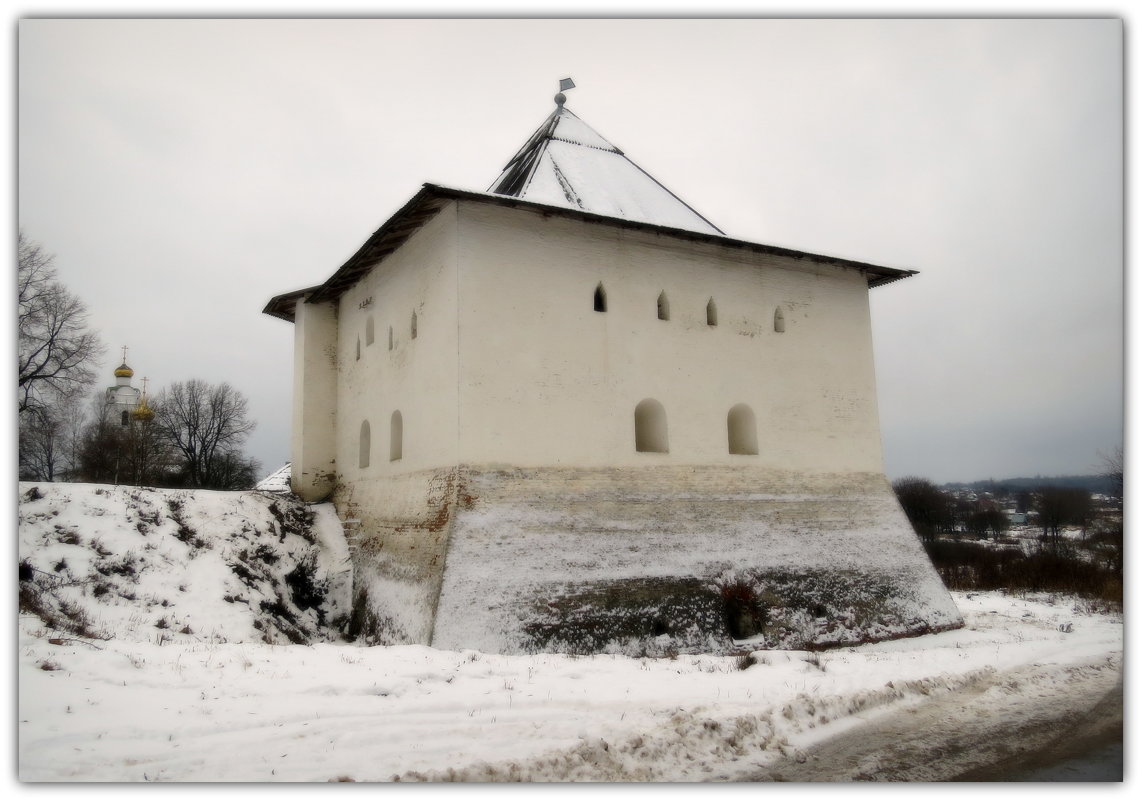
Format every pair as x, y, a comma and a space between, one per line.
123, 401
568, 413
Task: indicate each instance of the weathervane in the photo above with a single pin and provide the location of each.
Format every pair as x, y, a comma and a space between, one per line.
564, 85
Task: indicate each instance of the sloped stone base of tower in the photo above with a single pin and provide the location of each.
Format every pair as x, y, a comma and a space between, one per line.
397, 531
681, 559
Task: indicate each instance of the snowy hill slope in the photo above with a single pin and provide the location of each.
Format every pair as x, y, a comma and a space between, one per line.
205, 593
181, 565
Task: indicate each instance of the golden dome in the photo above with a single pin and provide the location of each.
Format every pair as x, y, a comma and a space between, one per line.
123, 371
143, 412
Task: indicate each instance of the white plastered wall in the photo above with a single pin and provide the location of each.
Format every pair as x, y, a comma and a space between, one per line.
417, 377
546, 380
314, 399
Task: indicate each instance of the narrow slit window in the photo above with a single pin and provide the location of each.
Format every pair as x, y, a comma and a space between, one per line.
741, 426
390, 337
779, 321
396, 437
711, 313
650, 427
358, 349
365, 445
600, 298
414, 325
369, 330
663, 307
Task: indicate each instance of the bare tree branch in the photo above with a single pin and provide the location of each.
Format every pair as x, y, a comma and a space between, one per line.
208, 425
55, 346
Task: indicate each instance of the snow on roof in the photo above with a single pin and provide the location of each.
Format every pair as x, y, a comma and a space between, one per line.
566, 163
277, 481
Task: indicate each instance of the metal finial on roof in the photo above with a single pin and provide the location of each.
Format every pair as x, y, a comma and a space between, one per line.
564, 85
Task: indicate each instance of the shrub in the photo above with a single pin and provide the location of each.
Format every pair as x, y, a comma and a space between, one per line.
68, 537
745, 661
969, 566
745, 614
307, 591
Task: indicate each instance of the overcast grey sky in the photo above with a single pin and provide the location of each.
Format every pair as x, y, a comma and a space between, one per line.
184, 171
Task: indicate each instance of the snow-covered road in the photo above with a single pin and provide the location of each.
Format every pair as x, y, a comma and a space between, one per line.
122, 710
1002, 719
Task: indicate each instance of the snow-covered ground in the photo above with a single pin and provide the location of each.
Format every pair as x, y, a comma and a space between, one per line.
152, 704
181, 565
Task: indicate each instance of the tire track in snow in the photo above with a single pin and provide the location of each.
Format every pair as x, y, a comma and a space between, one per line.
954, 735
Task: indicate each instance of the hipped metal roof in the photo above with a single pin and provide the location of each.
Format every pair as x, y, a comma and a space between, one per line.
564, 169
566, 163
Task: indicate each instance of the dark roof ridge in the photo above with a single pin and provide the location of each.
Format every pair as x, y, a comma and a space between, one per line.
611, 149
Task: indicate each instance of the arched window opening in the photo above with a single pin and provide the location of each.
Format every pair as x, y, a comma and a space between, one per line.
365, 445
414, 325
663, 307
396, 437
390, 337
779, 321
125, 419
711, 313
369, 330
600, 298
650, 427
742, 428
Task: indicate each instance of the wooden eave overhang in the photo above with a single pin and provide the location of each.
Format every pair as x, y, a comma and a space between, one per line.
431, 198
282, 306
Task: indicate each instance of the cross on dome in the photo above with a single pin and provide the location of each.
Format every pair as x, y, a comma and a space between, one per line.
123, 371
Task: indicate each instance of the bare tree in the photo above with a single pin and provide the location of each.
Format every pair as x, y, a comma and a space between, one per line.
1113, 470
208, 425
147, 455
1059, 507
41, 445
55, 346
101, 449
76, 417
927, 507
49, 439
989, 520
1108, 536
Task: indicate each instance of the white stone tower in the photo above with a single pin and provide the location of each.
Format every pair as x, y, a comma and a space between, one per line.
123, 399
569, 413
